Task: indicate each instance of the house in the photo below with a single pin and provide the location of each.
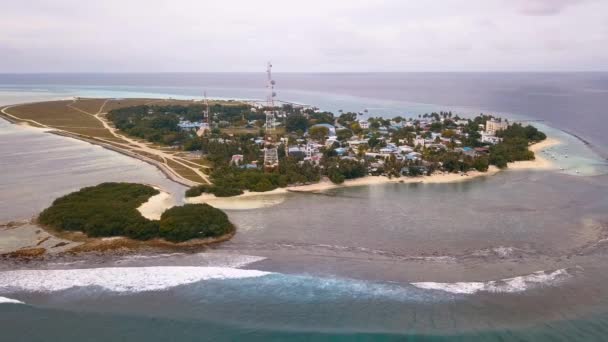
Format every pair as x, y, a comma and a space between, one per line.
434, 135
364, 124
249, 166
482, 150
340, 151
405, 149
185, 124
296, 151
413, 156
469, 151
419, 141
396, 125
387, 151
356, 143
489, 138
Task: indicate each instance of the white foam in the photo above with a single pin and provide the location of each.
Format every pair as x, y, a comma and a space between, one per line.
4, 300
201, 259
509, 285
118, 279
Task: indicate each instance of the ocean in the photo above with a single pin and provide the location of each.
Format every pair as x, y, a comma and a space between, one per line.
519, 256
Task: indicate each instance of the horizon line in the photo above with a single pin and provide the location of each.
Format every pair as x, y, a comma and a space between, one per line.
308, 72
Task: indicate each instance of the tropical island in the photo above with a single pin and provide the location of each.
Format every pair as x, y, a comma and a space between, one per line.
220, 149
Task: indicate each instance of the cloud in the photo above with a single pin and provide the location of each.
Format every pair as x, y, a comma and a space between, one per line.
544, 7
316, 35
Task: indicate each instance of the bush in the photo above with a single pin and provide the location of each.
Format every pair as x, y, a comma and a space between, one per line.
193, 221
225, 191
110, 209
198, 190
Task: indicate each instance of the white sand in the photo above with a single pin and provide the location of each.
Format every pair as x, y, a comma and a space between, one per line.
156, 205
254, 200
248, 200
539, 163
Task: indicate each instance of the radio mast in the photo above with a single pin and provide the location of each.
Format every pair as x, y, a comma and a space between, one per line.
271, 154
206, 124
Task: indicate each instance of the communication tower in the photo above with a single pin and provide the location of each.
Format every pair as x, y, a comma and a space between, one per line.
271, 154
206, 124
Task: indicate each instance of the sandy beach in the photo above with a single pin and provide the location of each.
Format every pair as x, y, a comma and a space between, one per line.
255, 200
156, 205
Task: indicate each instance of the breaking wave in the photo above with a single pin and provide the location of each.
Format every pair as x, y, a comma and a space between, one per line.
508, 285
4, 300
118, 279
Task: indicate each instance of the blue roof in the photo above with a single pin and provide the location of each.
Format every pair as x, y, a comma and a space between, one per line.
467, 149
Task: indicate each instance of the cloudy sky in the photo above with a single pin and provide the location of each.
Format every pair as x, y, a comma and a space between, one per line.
306, 35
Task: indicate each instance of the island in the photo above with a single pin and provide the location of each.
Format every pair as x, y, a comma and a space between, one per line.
219, 148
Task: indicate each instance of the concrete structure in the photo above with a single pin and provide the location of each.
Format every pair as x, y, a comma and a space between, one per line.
489, 139
492, 126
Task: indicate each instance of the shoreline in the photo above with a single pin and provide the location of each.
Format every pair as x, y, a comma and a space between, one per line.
539, 163
30, 240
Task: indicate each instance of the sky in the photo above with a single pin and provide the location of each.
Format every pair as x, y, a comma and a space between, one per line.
303, 36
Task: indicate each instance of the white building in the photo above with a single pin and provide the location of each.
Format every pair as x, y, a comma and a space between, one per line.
492, 126
490, 139
364, 124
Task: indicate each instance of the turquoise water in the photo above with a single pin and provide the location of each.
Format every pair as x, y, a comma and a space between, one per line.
50, 324
344, 265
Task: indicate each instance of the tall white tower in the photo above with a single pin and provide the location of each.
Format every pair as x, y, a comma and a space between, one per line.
271, 154
206, 124
270, 114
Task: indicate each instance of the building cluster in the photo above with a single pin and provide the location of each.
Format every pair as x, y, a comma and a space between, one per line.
386, 145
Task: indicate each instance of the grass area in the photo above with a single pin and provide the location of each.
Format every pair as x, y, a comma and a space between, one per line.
185, 172
57, 114
62, 115
90, 105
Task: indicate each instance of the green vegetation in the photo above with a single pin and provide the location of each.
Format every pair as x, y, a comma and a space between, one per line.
193, 221
232, 180
514, 146
346, 169
159, 124
110, 209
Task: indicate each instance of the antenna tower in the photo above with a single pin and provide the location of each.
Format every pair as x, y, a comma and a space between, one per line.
271, 154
